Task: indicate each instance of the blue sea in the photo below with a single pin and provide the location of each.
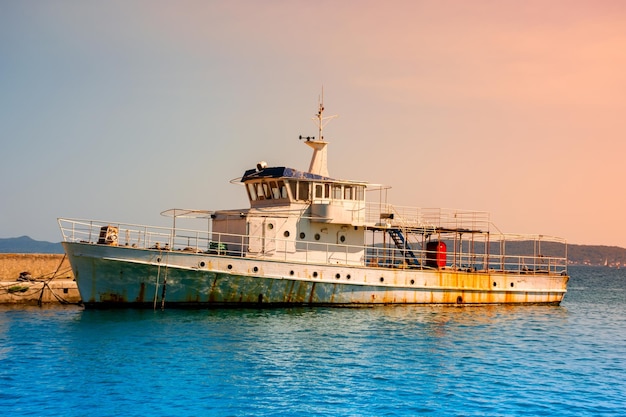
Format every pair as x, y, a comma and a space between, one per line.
568, 360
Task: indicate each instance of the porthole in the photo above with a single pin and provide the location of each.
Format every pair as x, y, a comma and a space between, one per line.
302, 235
291, 272
342, 238
158, 259
412, 281
202, 264
286, 234
338, 276
255, 269
512, 285
270, 226
494, 284
382, 279
348, 276
230, 267
459, 300
317, 236
314, 274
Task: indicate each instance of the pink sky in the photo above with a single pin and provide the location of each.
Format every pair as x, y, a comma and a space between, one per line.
516, 108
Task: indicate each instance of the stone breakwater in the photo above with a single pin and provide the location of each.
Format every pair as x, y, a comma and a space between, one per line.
36, 278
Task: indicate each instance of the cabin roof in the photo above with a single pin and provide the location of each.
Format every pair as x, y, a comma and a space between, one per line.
291, 173
281, 172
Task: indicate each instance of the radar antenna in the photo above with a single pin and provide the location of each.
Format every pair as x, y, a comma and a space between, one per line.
319, 165
319, 118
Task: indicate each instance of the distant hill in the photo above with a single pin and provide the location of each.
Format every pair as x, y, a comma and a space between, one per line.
577, 254
597, 255
25, 244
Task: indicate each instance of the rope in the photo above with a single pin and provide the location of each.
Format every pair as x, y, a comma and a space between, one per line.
45, 284
156, 287
164, 283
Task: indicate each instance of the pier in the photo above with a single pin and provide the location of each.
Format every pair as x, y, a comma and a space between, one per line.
36, 279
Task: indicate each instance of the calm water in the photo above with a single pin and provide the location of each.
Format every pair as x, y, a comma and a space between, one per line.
387, 361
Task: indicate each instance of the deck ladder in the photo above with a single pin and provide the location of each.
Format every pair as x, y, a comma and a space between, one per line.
403, 245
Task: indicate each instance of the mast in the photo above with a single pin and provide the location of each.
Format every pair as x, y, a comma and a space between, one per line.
319, 159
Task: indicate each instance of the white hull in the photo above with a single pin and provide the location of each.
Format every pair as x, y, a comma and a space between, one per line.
111, 275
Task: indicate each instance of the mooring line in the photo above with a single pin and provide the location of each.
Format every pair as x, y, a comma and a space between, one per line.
167, 256
46, 284
156, 287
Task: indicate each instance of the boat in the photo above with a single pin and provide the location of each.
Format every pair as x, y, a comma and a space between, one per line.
308, 239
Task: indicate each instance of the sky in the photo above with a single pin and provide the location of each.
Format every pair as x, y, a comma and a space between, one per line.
118, 110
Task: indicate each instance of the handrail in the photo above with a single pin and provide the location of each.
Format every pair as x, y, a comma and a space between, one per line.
428, 217
543, 255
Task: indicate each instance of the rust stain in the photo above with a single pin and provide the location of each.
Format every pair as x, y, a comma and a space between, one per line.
312, 292
142, 292
302, 291
212, 290
508, 297
289, 293
110, 297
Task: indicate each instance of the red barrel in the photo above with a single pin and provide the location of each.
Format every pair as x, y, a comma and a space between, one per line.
436, 254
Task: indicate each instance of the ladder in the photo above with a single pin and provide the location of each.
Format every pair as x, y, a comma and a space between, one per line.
403, 245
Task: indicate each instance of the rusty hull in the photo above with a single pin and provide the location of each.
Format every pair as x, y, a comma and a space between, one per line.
120, 276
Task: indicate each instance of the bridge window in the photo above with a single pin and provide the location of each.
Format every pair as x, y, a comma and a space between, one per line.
347, 192
283, 189
275, 189
293, 185
319, 191
359, 193
337, 192
259, 191
303, 190
322, 191
252, 191
263, 190
266, 190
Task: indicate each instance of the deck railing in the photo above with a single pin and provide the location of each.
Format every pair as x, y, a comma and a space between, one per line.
498, 252
434, 218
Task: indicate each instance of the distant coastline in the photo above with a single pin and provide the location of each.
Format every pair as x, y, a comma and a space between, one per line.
593, 255
597, 255
25, 244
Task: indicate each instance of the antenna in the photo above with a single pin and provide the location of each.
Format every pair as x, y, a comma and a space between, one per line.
319, 159
319, 118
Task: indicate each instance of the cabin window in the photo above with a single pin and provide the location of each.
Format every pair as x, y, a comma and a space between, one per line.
294, 189
303, 190
275, 189
266, 191
326, 190
359, 193
283, 189
337, 192
259, 191
319, 191
347, 192
252, 191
